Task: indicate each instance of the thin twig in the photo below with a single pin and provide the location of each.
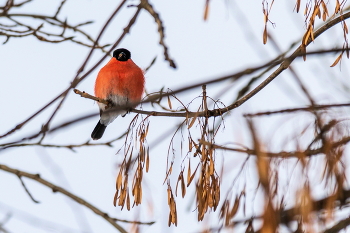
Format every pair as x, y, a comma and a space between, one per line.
70, 146
284, 154
27, 190
292, 110
88, 96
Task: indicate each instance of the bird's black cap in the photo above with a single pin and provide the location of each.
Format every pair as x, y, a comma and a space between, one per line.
122, 54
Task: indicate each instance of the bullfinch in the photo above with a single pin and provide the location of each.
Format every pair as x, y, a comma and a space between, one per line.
121, 82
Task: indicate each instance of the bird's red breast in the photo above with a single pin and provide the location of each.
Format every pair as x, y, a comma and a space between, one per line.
122, 78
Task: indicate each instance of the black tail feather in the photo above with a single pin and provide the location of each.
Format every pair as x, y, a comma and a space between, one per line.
98, 131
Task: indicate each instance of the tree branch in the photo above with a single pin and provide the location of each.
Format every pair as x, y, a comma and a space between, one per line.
341, 225
285, 154
291, 110
77, 199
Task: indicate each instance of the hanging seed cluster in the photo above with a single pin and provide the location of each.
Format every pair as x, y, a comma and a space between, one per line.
227, 212
266, 11
141, 162
207, 183
313, 9
307, 209
319, 9
172, 207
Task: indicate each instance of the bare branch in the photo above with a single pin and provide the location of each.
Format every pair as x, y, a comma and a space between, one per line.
342, 224
286, 154
36, 177
148, 7
293, 110
27, 190
88, 96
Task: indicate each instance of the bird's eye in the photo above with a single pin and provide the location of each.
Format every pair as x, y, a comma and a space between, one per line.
121, 55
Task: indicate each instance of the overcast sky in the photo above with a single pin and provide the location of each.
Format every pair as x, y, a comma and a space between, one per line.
33, 73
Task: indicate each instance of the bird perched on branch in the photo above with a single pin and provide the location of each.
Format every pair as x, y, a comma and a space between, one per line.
121, 82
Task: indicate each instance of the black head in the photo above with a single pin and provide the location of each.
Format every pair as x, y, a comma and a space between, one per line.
122, 54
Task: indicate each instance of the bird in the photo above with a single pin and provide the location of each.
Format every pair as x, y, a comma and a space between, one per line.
120, 82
